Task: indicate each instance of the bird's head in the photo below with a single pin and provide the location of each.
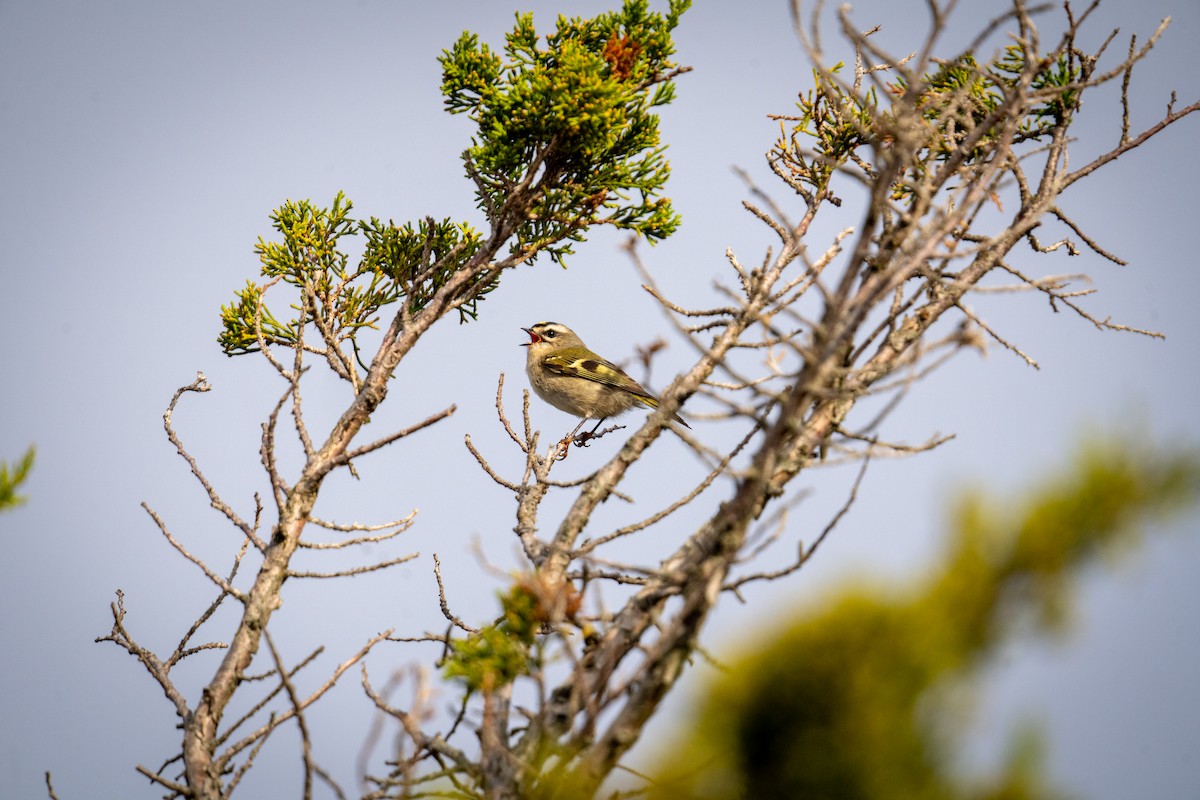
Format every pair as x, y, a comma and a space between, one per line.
546, 336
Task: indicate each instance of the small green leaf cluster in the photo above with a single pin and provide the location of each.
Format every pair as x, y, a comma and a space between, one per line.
958, 98
565, 134
11, 479
838, 119
1062, 72
960, 102
958, 114
498, 654
407, 261
421, 258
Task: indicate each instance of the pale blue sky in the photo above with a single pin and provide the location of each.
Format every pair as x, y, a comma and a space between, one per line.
142, 146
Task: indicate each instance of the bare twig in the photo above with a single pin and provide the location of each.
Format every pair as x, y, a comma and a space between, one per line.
432, 419
223, 584
201, 384
50, 787
445, 606
298, 713
348, 573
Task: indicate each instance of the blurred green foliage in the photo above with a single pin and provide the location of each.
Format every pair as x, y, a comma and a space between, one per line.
12, 477
499, 653
864, 698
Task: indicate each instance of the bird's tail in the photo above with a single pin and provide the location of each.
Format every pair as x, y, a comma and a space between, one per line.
653, 403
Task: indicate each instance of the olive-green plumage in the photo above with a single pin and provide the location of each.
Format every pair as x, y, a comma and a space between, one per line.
570, 377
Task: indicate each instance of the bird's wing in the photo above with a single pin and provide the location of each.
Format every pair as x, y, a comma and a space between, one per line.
579, 362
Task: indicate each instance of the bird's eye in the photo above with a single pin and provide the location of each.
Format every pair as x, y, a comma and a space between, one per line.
549, 334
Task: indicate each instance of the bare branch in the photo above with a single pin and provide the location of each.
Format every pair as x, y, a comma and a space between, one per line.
177, 789
446, 612
589, 545
432, 744
432, 419
1004, 342
201, 384
400, 525
805, 555
1056, 297
298, 714
264, 701
158, 670
1126, 145
50, 787
1056, 211
221, 583
257, 737
347, 573
500, 412
486, 467
182, 651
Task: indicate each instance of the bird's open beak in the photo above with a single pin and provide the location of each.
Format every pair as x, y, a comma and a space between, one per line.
533, 338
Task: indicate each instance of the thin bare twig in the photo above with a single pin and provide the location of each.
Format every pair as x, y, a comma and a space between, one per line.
348, 573
50, 787
432, 419
201, 384
445, 606
298, 714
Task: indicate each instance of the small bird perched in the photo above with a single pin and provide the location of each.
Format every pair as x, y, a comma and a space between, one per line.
570, 377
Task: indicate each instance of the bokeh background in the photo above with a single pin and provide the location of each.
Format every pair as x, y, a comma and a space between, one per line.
142, 147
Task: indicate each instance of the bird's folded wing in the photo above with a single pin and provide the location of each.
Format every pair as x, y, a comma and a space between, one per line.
582, 363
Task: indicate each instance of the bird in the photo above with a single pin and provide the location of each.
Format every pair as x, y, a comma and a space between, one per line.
570, 377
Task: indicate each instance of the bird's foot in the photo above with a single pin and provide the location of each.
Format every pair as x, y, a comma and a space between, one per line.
584, 439
563, 449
